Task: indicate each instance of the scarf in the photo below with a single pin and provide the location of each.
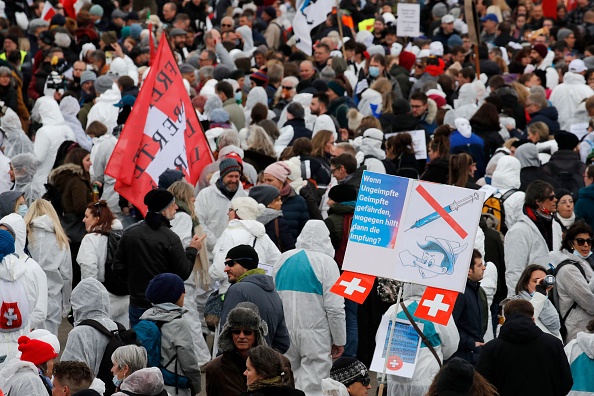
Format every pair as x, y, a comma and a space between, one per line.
254, 271
184, 208
544, 224
223, 189
275, 382
566, 222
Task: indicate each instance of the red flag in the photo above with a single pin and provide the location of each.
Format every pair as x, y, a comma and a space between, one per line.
353, 286
549, 8
48, 11
436, 305
152, 51
162, 132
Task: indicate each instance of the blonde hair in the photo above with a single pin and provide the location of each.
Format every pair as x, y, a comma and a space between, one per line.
183, 191
41, 207
319, 141
384, 87
541, 129
259, 141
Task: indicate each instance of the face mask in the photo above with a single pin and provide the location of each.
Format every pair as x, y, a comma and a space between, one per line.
580, 255
373, 71
238, 96
117, 382
22, 210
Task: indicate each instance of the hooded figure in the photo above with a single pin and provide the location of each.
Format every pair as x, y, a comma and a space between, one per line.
69, 107
50, 136
444, 340
466, 105
531, 170
370, 152
303, 278
256, 95
16, 140
104, 109
25, 167
242, 230
580, 353
103, 147
568, 95
505, 178
8, 201
14, 279
90, 300
146, 381
16, 226
55, 260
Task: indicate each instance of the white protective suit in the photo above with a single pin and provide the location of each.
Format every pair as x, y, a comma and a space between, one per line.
568, 95
256, 95
69, 107
50, 136
444, 340
505, 177
90, 300
241, 232
104, 110
91, 258
17, 226
371, 145
57, 265
11, 270
580, 353
551, 73
15, 139
25, 167
124, 67
205, 177
21, 378
212, 208
100, 154
315, 317
525, 245
196, 296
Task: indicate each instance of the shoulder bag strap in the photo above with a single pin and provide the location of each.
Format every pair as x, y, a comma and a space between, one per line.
423, 338
277, 233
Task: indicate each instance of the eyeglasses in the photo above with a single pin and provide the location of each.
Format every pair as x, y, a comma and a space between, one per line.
582, 241
550, 197
287, 88
239, 331
225, 25
231, 263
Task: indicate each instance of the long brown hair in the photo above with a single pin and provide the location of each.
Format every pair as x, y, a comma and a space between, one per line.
459, 167
480, 386
105, 217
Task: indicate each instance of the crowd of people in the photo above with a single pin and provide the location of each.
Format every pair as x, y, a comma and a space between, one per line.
249, 253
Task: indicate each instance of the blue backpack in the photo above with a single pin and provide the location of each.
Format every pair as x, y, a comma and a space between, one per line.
148, 334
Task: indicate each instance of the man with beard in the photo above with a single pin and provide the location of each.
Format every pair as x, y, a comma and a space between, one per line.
539, 58
150, 248
213, 202
178, 42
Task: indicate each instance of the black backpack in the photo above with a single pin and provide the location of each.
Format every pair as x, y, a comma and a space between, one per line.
117, 338
554, 295
113, 283
54, 196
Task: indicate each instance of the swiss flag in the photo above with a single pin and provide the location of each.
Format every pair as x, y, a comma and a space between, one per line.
162, 132
353, 286
48, 11
10, 316
436, 305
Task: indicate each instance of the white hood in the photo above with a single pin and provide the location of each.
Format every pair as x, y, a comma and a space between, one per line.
466, 95
11, 269
316, 237
16, 223
507, 173
47, 111
573, 78
111, 96
254, 227
43, 223
586, 343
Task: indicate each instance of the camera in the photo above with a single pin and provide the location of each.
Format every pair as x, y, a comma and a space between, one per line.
548, 281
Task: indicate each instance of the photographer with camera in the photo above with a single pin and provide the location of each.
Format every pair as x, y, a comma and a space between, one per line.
534, 285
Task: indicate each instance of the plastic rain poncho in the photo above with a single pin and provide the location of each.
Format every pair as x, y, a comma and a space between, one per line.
69, 107
15, 140
25, 167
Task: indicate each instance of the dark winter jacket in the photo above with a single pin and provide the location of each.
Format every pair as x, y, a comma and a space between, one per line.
490, 134
524, 360
438, 171
469, 314
532, 173
339, 108
335, 223
566, 170
258, 160
317, 169
259, 289
272, 219
402, 76
299, 129
147, 249
584, 207
295, 212
75, 187
549, 116
224, 375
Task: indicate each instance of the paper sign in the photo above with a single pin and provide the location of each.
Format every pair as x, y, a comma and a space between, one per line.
419, 142
353, 286
268, 268
403, 352
416, 231
409, 20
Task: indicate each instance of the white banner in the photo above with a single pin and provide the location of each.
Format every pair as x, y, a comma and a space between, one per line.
409, 20
310, 14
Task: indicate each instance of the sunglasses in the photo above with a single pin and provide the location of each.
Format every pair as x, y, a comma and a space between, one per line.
287, 88
231, 263
582, 241
225, 25
365, 381
239, 331
550, 197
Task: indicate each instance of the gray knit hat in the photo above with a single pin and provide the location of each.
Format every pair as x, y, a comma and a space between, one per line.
563, 33
244, 316
439, 10
87, 76
264, 193
102, 84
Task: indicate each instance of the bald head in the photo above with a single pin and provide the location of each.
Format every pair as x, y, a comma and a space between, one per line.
306, 69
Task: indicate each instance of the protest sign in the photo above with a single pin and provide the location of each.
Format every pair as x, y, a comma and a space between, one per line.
409, 20
404, 350
419, 142
416, 231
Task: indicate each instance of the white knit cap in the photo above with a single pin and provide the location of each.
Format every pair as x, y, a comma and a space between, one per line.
247, 208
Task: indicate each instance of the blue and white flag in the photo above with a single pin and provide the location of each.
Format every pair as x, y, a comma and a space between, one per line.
310, 13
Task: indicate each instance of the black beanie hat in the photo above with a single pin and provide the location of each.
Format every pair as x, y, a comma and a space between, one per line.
169, 177
343, 193
566, 140
165, 288
244, 255
158, 200
347, 370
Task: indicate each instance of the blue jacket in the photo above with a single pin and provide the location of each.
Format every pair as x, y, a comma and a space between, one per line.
549, 116
584, 207
295, 213
474, 145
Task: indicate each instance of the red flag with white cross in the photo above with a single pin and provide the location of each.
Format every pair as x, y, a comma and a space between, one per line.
353, 286
436, 305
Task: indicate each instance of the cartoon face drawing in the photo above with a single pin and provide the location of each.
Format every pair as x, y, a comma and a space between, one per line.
438, 257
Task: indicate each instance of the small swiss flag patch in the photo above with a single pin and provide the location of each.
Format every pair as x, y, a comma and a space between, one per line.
353, 286
436, 305
10, 316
